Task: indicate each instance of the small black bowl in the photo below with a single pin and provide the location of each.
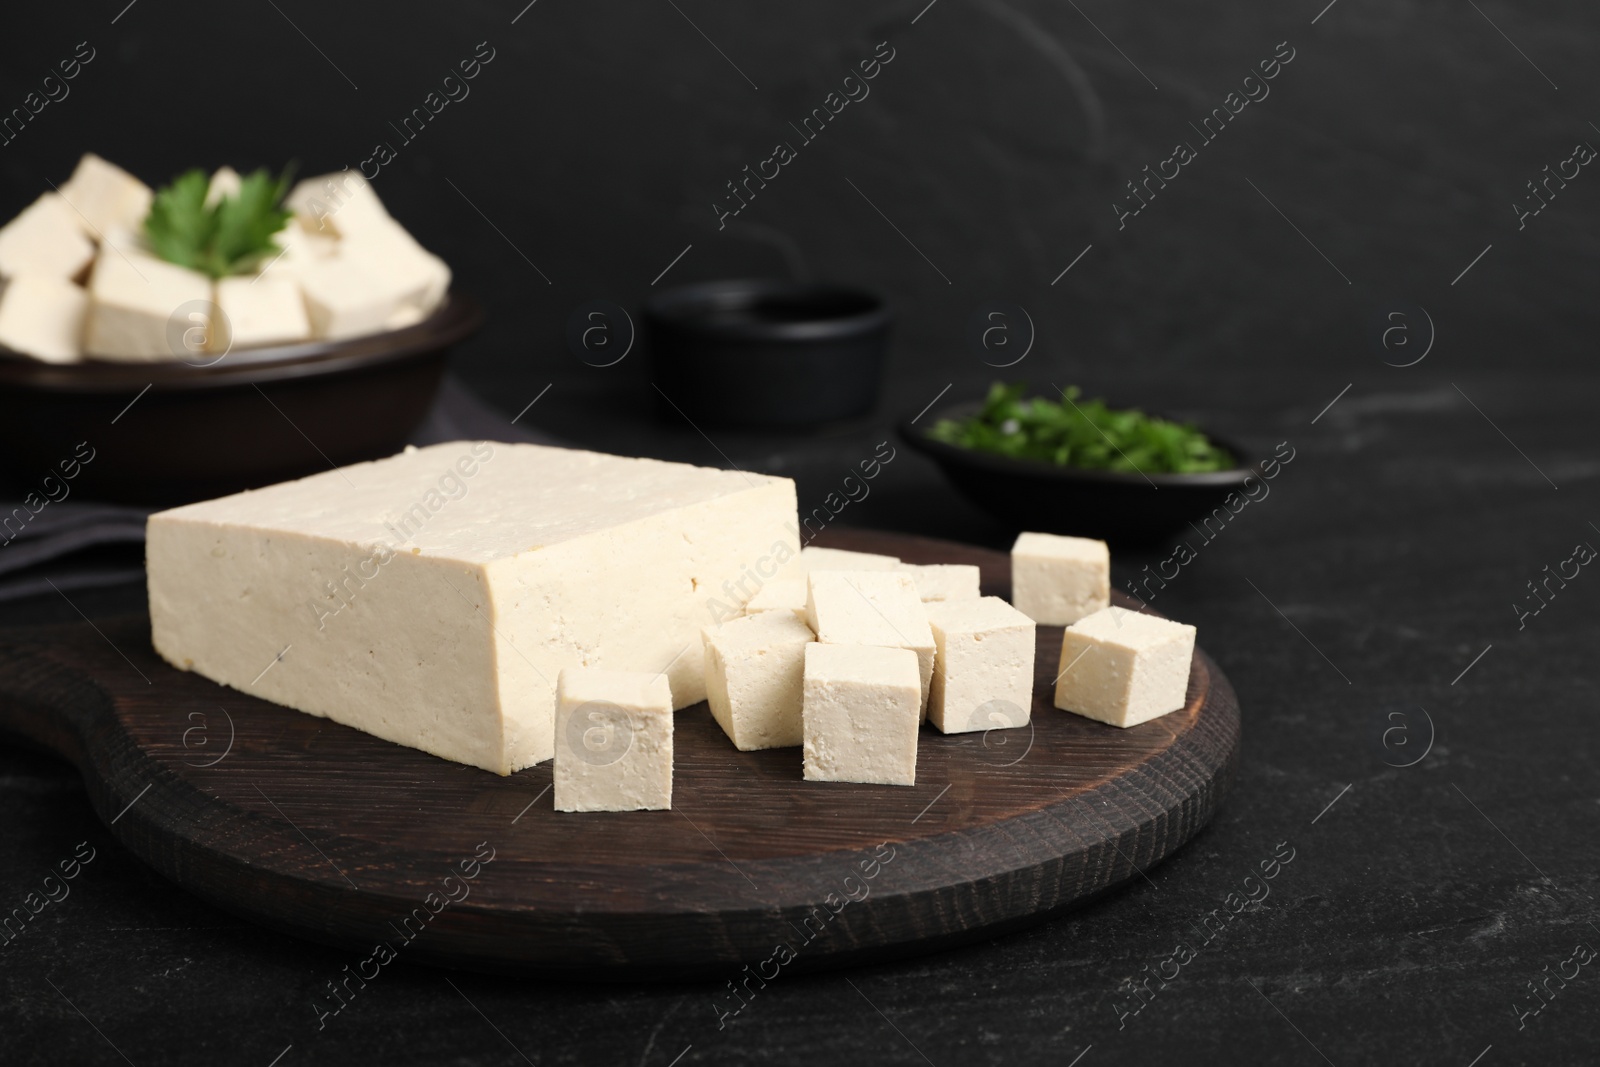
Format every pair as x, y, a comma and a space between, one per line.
767, 353
1031, 494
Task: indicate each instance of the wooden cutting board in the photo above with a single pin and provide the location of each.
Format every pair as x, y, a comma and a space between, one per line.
326, 833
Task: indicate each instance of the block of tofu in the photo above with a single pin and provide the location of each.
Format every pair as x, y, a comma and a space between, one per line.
860, 714
225, 181
840, 559
780, 594
871, 608
258, 311
944, 581
348, 298
342, 204
104, 195
46, 240
1057, 580
983, 667
42, 317
142, 308
754, 667
613, 741
1124, 667
391, 253
432, 598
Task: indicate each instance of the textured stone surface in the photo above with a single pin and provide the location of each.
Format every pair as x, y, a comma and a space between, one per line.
1414, 909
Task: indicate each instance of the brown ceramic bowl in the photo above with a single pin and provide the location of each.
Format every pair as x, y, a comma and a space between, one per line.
170, 432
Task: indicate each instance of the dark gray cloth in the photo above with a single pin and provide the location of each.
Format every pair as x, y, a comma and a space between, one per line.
84, 544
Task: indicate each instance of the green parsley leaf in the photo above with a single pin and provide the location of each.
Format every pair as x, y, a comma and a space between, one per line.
1086, 434
231, 236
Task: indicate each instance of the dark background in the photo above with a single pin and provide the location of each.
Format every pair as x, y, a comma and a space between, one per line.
996, 141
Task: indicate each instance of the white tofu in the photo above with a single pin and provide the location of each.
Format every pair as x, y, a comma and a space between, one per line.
258, 311
613, 741
342, 204
142, 308
779, 594
404, 316
42, 317
871, 608
754, 668
1057, 580
840, 559
104, 195
301, 250
345, 298
390, 253
983, 665
432, 598
224, 182
944, 581
1124, 667
46, 240
860, 713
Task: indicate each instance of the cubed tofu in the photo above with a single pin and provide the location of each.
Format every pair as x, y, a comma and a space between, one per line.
142, 308
1058, 580
860, 714
348, 299
46, 240
871, 608
983, 666
224, 182
944, 581
300, 249
754, 668
779, 594
342, 204
840, 559
1124, 667
42, 317
258, 311
613, 741
389, 252
404, 317
104, 195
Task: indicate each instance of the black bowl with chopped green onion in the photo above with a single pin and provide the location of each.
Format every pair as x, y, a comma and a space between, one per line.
1063, 464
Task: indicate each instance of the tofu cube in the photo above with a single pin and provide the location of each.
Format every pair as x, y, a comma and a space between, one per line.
341, 204
46, 240
754, 668
104, 196
1124, 667
348, 299
258, 311
1058, 580
860, 713
983, 669
224, 182
301, 249
390, 253
839, 559
778, 594
42, 317
944, 581
871, 608
613, 741
142, 308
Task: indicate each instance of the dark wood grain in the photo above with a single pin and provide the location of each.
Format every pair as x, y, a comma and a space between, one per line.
333, 835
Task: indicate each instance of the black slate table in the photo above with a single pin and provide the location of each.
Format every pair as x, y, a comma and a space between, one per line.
1427, 763
1421, 740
